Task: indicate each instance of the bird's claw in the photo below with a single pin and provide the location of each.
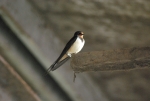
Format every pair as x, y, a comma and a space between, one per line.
69, 55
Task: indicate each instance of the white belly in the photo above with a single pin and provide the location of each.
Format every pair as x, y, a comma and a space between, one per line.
77, 46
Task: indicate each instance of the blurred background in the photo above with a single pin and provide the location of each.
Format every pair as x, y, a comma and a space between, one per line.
34, 32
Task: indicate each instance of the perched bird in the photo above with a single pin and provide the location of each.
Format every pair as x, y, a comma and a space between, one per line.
74, 45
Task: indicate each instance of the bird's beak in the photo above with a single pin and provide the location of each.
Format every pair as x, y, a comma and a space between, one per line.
81, 33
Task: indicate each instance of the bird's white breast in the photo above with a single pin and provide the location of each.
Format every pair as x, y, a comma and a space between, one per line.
77, 46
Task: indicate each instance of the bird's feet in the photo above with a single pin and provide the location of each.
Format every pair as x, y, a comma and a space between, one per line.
68, 54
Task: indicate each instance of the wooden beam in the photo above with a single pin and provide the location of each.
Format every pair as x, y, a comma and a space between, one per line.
110, 60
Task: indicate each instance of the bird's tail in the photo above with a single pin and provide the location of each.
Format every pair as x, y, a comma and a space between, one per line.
56, 65
51, 67
59, 64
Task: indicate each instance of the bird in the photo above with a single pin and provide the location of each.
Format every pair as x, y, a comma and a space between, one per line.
74, 45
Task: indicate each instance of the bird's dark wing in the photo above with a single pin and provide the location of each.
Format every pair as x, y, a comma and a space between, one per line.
68, 45
60, 63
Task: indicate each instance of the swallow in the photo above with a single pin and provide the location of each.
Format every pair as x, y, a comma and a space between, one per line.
74, 45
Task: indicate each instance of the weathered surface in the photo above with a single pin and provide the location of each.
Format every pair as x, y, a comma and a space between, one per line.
12, 86
18, 55
119, 59
107, 24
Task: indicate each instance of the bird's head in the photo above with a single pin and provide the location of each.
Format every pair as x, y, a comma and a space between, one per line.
79, 33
